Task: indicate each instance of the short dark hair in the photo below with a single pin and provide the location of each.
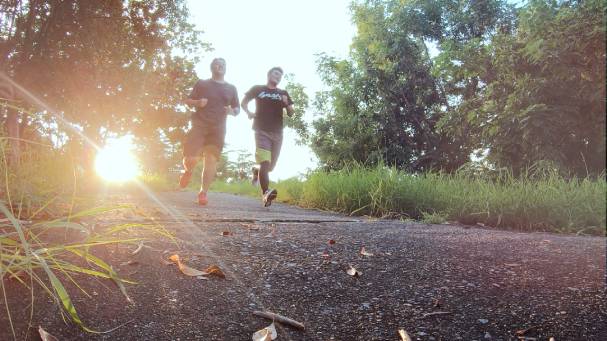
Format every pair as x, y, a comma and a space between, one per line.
217, 59
277, 68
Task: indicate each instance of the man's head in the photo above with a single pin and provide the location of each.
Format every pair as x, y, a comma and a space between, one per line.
275, 75
218, 67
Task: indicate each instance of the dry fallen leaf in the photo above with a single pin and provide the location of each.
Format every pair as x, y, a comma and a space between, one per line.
403, 335
353, 272
186, 269
45, 336
266, 334
215, 270
226, 233
365, 253
331, 242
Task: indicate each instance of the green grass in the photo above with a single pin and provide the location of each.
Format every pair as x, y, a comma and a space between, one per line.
544, 202
44, 240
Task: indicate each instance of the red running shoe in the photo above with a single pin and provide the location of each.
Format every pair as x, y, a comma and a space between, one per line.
202, 199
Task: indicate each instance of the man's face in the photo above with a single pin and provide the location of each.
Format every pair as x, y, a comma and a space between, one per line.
275, 77
218, 67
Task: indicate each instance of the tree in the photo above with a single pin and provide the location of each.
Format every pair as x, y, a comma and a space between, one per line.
384, 102
301, 103
547, 101
107, 66
522, 86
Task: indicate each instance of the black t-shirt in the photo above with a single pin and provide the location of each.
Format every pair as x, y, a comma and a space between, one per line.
219, 96
269, 105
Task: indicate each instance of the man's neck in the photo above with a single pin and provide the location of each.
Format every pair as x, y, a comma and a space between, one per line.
218, 78
271, 85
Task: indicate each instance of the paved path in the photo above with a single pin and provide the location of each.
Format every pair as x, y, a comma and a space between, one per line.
438, 282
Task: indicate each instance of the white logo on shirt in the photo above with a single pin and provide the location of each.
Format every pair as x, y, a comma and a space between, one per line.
270, 95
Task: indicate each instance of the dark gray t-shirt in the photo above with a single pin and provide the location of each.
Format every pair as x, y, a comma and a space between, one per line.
269, 105
219, 96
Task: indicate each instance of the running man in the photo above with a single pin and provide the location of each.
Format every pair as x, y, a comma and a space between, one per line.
213, 99
270, 101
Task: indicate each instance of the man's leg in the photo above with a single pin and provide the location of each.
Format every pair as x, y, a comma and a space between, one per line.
264, 176
208, 171
191, 149
276, 146
263, 154
211, 155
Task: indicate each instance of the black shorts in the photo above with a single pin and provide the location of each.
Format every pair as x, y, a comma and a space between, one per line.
206, 139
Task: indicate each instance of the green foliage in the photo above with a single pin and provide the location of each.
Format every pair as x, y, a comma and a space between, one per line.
548, 100
521, 85
107, 66
383, 101
241, 187
301, 103
434, 218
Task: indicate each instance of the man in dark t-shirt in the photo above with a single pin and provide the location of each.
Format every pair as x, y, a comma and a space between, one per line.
213, 99
270, 103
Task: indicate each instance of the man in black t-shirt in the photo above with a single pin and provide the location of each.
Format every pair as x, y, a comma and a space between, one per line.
270, 102
213, 99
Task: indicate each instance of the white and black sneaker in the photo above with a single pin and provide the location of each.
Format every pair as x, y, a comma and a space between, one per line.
268, 196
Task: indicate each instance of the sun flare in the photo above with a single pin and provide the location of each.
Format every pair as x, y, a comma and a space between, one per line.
115, 162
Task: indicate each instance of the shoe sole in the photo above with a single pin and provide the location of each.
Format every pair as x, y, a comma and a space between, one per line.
271, 197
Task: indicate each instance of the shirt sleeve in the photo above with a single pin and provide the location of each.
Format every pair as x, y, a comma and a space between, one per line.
197, 91
235, 103
289, 98
252, 93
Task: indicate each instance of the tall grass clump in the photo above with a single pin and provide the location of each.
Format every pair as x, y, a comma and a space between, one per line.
540, 199
47, 239
532, 201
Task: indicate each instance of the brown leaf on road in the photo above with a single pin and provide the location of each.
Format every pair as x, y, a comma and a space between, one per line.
45, 336
403, 335
227, 233
215, 270
365, 253
331, 241
186, 269
266, 334
353, 272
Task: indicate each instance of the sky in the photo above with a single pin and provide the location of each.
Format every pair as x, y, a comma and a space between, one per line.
253, 36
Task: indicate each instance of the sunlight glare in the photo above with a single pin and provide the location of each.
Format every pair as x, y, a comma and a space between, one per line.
115, 162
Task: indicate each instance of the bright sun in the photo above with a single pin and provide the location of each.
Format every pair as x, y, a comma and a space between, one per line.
115, 162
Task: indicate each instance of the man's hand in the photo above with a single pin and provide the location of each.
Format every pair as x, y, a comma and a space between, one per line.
231, 111
196, 103
285, 100
251, 115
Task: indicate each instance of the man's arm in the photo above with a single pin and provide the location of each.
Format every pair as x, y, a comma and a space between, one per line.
196, 103
288, 103
245, 106
234, 108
